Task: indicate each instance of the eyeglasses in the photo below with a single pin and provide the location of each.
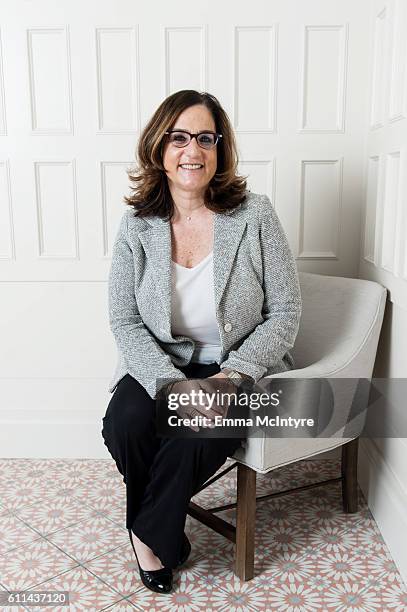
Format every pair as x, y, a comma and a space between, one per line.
182, 138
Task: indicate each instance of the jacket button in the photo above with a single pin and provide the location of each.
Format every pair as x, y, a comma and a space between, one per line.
227, 327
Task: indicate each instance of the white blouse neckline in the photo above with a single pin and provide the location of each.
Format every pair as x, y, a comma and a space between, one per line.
197, 265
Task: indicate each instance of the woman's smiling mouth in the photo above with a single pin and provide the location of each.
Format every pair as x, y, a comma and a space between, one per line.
191, 167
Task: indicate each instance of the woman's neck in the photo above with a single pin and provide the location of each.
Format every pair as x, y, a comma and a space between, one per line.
188, 207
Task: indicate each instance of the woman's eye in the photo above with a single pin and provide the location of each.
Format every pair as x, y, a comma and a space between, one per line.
179, 138
206, 139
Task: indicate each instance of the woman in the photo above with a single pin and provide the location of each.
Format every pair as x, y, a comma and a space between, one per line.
202, 285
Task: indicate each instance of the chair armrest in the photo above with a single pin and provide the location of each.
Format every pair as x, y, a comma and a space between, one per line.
324, 368
346, 361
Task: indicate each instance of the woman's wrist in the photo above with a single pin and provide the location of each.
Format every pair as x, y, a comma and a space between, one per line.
235, 375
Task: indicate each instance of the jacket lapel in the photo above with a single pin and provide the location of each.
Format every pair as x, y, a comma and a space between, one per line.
228, 232
156, 241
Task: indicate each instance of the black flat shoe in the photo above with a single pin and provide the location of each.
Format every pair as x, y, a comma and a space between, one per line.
185, 552
159, 581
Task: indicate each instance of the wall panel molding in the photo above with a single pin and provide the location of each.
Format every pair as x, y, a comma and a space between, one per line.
118, 80
7, 239
377, 107
391, 211
262, 176
371, 207
3, 120
113, 180
255, 85
181, 74
49, 61
398, 78
323, 79
320, 208
57, 213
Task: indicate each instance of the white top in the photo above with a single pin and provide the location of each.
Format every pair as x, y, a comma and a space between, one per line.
193, 308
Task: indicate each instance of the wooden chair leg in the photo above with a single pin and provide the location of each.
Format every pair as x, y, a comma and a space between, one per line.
245, 522
349, 476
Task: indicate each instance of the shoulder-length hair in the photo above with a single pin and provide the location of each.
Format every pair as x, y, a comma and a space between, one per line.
149, 186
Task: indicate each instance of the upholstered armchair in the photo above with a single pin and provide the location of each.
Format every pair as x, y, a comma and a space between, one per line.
338, 338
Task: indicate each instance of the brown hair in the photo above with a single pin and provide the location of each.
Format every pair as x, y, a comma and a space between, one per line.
151, 195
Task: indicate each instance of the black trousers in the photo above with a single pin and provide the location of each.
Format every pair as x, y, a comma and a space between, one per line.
161, 474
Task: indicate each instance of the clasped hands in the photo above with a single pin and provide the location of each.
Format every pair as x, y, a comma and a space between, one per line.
214, 400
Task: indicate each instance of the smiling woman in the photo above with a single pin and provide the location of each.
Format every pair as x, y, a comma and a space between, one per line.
198, 131
202, 285
190, 163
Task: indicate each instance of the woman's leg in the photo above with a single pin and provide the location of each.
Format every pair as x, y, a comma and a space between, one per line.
129, 434
161, 474
180, 467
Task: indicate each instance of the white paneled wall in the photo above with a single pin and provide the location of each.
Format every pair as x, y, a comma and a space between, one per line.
383, 257
78, 81
384, 238
77, 91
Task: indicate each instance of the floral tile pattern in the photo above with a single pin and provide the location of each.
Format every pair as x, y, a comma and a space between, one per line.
14, 533
62, 528
118, 568
89, 539
53, 514
27, 566
86, 592
122, 606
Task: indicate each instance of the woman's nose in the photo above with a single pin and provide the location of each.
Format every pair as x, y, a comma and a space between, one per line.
193, 145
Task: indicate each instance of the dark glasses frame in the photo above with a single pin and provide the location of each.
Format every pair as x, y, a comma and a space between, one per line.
191, 136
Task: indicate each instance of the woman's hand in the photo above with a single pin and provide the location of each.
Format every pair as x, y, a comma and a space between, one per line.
198, 406
225, 392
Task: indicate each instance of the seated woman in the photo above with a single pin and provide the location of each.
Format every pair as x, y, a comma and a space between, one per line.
202, 285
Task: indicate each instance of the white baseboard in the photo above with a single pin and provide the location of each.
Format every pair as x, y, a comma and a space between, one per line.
57, 418
387, 500
51, 440
53, 418
42, 435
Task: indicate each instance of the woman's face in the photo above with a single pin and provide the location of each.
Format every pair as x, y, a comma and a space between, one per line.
194, 119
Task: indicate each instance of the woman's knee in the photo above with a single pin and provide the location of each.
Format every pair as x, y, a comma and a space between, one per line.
130, 409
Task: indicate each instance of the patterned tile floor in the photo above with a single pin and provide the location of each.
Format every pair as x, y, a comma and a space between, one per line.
62, 527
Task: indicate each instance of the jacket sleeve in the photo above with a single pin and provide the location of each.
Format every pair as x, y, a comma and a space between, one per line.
267, 344
145, 360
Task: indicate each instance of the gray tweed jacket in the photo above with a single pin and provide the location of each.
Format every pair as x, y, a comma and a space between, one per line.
257, 296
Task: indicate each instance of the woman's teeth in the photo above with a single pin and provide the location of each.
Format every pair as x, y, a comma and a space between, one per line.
191, 166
